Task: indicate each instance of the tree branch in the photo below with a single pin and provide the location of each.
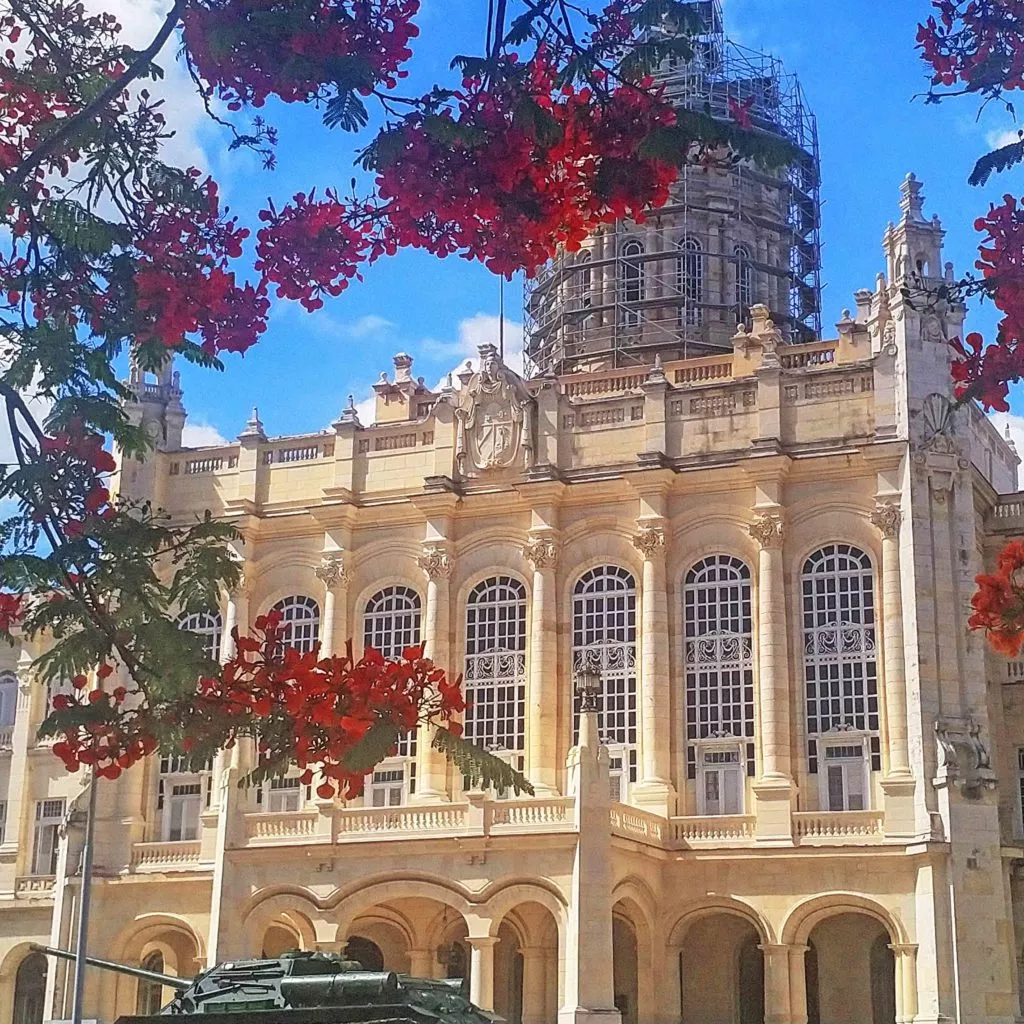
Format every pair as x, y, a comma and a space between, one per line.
73, 124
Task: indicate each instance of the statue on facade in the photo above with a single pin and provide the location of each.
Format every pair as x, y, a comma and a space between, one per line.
494, 416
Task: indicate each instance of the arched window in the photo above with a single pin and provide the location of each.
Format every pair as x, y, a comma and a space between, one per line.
690, 281
744, 279
840, 674
206, 625
8, 699
391, 623
585, 279
30, 990
300, 622
149, 995
719, 682
604, 634
633, 287
495, 676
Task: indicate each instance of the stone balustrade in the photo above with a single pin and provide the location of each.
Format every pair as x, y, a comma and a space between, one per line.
824, 828
6, 739
271, 827
713, 830
34, 887
531, 815
183, 855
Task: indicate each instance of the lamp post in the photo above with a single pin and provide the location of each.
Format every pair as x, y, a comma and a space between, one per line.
588, 684
83, 907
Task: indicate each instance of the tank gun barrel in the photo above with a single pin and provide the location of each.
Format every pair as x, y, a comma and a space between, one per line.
178, 984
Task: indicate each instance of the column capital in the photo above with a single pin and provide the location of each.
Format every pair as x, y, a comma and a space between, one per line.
482, 941
332, 572
768, 529
435, 561
649, 538
888, 517
541, 549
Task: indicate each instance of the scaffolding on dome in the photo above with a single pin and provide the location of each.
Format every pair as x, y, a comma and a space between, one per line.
679, 284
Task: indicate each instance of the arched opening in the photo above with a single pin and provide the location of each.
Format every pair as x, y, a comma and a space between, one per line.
526, 965
508, 975
625, 968
854, 972
277, 940
30, 990
722, 971
149, 995
365, 952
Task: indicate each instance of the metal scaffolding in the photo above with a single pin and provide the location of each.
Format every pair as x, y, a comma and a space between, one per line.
680, 283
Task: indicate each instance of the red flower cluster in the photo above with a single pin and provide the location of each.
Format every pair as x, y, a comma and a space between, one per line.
11, 608
999, 601
519, 168
301, 709
310, 248
183, 284
985, 372
247, 50
978, 44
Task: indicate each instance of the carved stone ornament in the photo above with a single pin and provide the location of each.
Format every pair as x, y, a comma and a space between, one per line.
494, 418
434, 562
541, 551
768, 529
649, 538
963, 756
332, 572
888, 518
937, 425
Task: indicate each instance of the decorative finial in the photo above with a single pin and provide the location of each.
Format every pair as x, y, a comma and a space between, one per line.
911, 200
254, 426
403, 367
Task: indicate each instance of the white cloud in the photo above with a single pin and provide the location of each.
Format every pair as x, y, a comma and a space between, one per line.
366, 326
1002, 420
998, 139
201, 435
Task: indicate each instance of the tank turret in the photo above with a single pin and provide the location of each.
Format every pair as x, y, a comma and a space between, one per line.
302, 988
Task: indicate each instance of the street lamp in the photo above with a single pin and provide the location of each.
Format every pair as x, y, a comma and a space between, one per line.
588, 684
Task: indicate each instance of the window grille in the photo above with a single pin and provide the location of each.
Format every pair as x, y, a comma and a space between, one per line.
718, 655
206, 625
690, 281
585, 279
391, 623
300, 622
604, 635
744, 279
495, 674
633, 286
49, 816
840, 670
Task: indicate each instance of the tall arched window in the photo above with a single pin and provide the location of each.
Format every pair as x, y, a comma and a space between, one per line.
633, 287
8, 699
744, 279
840, 674
584, 279
391, 623
208, 626
690, 280
719, 682
300, 622
149, 995
30, 990
495, 676
604, 634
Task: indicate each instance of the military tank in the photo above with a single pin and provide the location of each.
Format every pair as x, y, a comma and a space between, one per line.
302, 988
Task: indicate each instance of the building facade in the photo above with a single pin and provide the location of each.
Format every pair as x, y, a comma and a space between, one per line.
803, 799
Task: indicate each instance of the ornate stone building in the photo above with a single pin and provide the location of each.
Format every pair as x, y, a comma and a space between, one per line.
806, 806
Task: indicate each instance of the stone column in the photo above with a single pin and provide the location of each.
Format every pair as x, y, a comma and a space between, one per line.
437, 567
906, 981
541, 552
421, 963
898, 785
777, 1004
798, 984
655, 790
18, 829
481, 971
334, 576
534, 987
774, 786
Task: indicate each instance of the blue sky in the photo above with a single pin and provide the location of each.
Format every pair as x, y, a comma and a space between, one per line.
860, 73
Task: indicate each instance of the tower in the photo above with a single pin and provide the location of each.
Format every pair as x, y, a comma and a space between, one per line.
729, 238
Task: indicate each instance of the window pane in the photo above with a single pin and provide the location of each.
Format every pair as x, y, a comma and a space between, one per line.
835, 788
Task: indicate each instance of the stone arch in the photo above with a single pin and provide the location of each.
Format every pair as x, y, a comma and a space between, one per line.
802, 918
149, 928
348, 903
633, 892
501, 900
814, 523
476, 575
297, 906
681, 921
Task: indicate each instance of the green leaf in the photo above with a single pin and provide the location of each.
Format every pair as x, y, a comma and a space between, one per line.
479, 767
536, 122
347, 112
998, 160
681, 17
471, 67
519, 30
72, 224
377, 743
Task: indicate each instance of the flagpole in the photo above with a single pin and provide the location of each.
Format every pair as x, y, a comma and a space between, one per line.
501, 318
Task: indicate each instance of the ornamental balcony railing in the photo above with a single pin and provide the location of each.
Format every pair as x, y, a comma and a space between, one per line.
181, 855
827, 828
28, 887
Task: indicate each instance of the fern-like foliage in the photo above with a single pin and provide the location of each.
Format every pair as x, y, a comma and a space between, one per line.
477, 766
998, 160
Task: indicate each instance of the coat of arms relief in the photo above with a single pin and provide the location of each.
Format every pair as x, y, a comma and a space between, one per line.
494, 417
